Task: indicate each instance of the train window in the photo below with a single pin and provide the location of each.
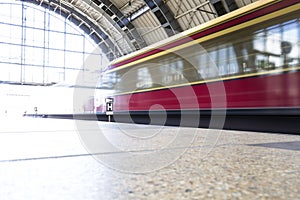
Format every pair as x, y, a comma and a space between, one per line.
277, 46
262, 47
213, 57
259, 41
144, 79
203, 65
222, 61
232, 65
291, 42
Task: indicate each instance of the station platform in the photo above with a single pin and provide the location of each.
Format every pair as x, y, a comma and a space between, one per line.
44, 158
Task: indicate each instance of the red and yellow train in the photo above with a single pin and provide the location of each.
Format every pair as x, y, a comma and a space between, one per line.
244, 63
253, 52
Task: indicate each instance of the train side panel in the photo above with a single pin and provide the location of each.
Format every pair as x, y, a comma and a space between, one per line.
272, 91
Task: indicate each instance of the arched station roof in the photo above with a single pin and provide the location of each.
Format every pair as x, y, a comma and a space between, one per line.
120, 27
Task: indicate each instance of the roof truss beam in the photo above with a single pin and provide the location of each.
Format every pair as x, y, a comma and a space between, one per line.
165, 16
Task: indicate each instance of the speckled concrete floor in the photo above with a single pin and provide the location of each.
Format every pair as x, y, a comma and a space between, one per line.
65, 159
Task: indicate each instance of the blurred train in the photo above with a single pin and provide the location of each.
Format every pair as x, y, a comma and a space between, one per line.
243, 63
254, 52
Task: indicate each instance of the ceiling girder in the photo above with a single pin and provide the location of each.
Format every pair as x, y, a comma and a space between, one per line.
123, 23
165, 16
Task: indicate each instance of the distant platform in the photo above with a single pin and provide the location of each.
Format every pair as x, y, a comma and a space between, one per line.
247, 121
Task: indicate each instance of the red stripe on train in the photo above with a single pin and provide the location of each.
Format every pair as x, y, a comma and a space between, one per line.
280, 90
